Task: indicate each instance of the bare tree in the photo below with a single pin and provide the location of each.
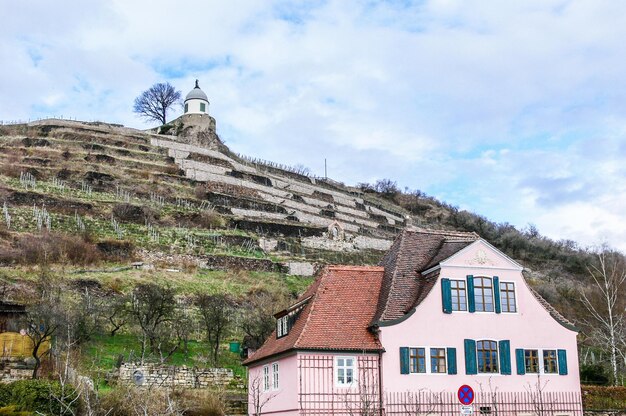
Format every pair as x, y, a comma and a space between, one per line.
152, 307
154, 102
606, 305
258, 396
215, 312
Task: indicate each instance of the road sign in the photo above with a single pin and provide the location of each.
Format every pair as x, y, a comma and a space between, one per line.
467, 410
466, 395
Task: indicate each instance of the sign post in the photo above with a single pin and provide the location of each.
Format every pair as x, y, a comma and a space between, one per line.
466, 397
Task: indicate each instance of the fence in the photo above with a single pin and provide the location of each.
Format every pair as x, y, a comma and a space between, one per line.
535, 403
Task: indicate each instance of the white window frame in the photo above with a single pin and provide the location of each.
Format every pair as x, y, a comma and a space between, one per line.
266, 378
556, 359
345, 367
275, 378
430, 359
426, 360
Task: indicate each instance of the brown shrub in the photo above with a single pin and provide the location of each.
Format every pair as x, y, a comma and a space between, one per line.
10, 167
121, 249
134, 213
52, 248
210, 219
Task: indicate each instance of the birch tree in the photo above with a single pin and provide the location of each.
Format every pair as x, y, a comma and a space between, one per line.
606, 302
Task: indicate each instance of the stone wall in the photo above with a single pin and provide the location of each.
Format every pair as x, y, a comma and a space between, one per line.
14, 369
240, 263
154, 375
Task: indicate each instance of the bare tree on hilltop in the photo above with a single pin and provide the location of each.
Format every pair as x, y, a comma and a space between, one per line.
154, 102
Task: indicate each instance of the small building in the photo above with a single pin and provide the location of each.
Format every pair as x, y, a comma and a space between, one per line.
443, 310
196, 102
10, 315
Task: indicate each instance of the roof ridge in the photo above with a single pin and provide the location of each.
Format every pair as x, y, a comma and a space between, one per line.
421, 230
353, 267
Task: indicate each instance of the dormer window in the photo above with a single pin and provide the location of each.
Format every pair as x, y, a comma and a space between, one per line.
282, 326
286, 318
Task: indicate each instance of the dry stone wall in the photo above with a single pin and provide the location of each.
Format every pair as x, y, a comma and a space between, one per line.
154, 375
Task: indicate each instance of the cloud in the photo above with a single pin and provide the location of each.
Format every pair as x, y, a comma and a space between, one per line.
511, 109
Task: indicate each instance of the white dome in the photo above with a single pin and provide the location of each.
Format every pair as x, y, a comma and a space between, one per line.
197, 94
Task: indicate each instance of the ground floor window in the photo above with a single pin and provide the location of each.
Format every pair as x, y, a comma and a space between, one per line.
550, 364
345, 370
487, 355
417, 357
266, 378
531, 361
438, 360
275, 376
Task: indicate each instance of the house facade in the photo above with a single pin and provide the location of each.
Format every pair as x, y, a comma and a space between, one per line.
443, 310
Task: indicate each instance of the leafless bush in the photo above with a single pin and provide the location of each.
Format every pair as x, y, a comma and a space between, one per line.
52, 248
210, 219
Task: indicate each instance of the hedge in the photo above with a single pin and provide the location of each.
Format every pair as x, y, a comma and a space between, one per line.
36, 396
603, 397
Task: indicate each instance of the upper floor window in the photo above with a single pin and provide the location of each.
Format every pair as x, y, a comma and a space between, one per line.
550, 364
507, 297
186, 108
438, 360
531, 361
458, 295
275, 376
282, 326
202, 107
417, 360
483, 294
487, 356
345, 368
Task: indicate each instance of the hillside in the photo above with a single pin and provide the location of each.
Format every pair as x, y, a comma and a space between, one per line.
109, 207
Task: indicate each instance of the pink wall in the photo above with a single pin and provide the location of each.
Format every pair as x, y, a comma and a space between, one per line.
531, 328
284, 401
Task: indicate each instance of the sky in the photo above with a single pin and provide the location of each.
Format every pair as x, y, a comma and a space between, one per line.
515, 110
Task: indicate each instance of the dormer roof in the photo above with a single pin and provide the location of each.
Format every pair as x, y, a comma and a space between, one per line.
196, 93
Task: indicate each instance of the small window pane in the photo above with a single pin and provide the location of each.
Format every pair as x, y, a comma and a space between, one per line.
550, 362
531, 360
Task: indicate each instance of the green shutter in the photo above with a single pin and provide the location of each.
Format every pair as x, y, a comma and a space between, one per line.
451, 354
471, 306
519, 360
404, 360
562, 354
505, 357
470, 357
446, 295
496, 293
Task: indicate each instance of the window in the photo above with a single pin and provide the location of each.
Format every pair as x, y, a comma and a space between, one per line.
483, 294
531, 361
282, 326
345, 371
202, 107
266, 378
417, 360
507, 297
275, 376
487, 355
459, 298
186, 108
438, 360
550, 365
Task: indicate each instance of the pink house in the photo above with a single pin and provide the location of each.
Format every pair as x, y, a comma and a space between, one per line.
445, 309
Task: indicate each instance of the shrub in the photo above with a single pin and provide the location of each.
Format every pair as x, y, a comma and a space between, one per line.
210, 219
121, 249
12, 411
43, 396
51, 248
133, 213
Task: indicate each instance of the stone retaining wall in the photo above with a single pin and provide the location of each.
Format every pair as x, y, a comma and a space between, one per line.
154, 375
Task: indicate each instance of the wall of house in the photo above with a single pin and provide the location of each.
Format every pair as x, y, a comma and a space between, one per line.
284, 400
320, 394
531, 327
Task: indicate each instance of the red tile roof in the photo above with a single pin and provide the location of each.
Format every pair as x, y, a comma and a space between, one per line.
337, 316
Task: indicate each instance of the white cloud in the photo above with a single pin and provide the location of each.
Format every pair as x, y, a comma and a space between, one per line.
512, 109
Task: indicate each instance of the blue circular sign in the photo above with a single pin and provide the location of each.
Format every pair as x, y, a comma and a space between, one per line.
466, 395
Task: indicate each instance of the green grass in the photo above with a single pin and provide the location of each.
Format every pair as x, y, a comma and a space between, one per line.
103, 351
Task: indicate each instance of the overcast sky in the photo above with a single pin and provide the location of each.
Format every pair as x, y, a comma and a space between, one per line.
511, 109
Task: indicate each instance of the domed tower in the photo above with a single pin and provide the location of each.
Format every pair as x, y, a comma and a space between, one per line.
196, 101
